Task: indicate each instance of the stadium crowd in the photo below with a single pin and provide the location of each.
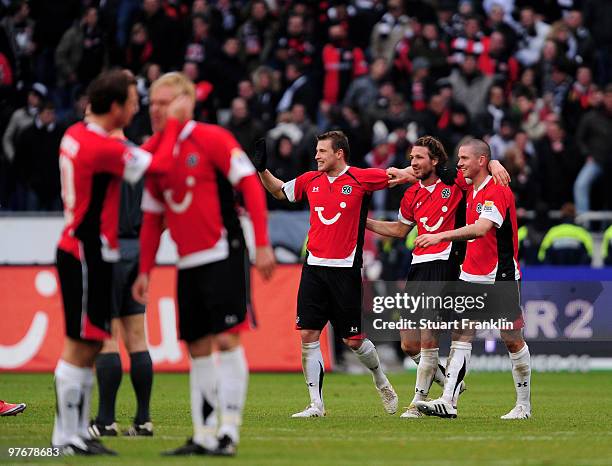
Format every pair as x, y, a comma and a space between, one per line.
532, 78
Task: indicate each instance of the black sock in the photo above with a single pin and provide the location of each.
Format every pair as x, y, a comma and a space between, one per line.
108, 373
141, 373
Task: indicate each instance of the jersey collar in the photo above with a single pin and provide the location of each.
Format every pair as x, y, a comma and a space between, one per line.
431, 187
334, 178
484, 183
96, 128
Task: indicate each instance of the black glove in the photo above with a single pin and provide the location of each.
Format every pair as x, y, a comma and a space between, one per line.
260, 156
448, 175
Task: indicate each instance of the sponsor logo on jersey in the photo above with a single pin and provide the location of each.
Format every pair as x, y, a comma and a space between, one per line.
431, 229
192, 160
446, 192
488, 206
329, 221
347, 189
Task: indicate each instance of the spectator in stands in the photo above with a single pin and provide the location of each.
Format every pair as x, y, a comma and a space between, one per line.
139, 50
393, 26
266, 87
307, 145
16, 40
202, 48
497, 61
284, 162
533, 33
522, 181
529, 117
580, 41
342, 63
470, 86
595, 144
489, 122
598, 19
558, 162
230, 71
256, 35
298, 90
36, 163
421, 87
579, 98
80, 56
545, 66
503, 139
164, 33
294, 44
458, 128
429, 45
469, 40
363, 90
21, 118
245, 129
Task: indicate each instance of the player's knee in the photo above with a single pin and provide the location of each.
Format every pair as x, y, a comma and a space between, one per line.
310, 336
227, 341
411, 348
352, 344
201, 347
110, 346
513, 340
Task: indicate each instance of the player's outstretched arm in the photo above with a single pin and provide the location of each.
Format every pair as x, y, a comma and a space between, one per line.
391, 229
399, 176
499, 173
272, 184
466, 233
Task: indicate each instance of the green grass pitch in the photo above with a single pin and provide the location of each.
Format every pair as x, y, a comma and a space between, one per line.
570, 424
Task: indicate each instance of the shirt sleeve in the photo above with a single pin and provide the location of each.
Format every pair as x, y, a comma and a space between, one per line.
294, 189
152, 196
225, 153
495, 207
461, 181
121, 158
406, 210
373, 179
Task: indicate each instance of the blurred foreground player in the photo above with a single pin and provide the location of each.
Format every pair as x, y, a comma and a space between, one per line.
92, 165
330, 286
129, 323
196, 200
490, 267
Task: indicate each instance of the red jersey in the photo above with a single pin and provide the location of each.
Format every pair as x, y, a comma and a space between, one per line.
494, 256
434, 210
188, 196
338, 212
91, 166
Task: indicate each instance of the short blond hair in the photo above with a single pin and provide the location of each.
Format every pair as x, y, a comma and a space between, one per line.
182, 84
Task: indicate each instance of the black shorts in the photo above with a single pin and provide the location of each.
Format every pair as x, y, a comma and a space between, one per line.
86, 293
213, 298
124, 275
429, 279
501, 301
330, 294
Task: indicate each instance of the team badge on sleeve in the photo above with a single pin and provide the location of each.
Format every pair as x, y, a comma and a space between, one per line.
479, 208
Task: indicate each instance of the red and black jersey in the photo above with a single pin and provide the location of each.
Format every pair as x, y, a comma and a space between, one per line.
91, 166
434, 209
342, 65
338, 212
195, 202
494, 257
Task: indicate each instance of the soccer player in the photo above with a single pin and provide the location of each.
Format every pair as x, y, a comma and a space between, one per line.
11, 409
491, 258
129, 321
330, 286
196, 201
91, 166
432, 205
